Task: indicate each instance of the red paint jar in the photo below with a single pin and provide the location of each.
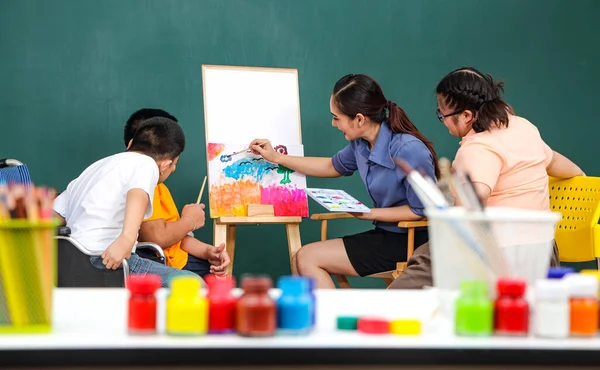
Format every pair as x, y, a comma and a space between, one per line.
142, 303
256, 314
511, 308
221, 305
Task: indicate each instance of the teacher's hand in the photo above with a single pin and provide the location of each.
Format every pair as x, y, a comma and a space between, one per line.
264, 148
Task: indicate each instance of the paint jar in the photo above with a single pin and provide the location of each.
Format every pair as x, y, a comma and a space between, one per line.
551, 316
311, 289
295, 306
511, 310
221, 305
256, 314
596, 274
474, 310
141, 318
187, 310
583, 305
559, 272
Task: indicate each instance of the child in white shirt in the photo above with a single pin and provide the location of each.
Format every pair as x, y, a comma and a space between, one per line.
104, 206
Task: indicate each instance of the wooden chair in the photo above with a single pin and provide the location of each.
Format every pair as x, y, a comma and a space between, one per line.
387, 276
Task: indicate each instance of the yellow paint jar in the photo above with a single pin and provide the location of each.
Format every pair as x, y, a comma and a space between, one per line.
187, 310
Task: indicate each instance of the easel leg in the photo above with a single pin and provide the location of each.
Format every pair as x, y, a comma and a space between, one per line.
220, 237
230, 246
294, 243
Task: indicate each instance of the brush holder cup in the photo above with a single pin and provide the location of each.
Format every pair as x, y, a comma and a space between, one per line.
525, 238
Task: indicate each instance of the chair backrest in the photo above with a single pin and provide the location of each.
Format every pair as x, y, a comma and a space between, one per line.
577, 233
13, 171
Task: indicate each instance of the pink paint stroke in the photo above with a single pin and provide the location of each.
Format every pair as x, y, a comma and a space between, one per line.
287, 201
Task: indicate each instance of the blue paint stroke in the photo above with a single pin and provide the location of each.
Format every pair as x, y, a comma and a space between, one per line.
257, 168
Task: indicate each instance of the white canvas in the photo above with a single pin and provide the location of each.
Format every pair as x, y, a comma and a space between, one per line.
242, 104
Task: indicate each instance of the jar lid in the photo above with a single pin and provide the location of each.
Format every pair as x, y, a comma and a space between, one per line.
511, 287
143, 284
347, 322
474, 288
373, 325
590, 272
293, 285
581, 286
255, 283
555, 289
405, 327
559, 272
185, 285
219, 284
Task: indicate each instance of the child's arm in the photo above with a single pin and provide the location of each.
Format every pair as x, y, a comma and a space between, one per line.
165, 234
135, 208
561, 167
217, 256
63, 222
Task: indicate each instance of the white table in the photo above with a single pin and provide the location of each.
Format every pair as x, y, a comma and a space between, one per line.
90, 328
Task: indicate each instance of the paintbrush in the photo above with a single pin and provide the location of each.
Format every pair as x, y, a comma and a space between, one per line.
249, 148
468, 197
201, 191
432, 197
227, 157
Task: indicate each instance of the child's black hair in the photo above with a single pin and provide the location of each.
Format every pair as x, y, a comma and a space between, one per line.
160, 138
138, 117
468, 89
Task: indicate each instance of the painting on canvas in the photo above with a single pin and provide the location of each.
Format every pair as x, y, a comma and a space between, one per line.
235, 181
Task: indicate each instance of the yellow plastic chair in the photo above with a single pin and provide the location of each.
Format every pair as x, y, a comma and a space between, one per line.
577, 233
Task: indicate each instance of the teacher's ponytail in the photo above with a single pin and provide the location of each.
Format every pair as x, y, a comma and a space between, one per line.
401, 124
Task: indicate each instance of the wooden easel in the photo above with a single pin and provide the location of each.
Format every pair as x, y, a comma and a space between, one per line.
225, 229
219, 128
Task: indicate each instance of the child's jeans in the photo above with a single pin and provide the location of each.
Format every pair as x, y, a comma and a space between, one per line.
194, 264
144, 266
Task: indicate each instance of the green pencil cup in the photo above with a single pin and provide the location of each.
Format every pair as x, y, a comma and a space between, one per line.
27, 275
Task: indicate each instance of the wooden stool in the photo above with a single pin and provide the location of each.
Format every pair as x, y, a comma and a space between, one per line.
225, 227
386, 276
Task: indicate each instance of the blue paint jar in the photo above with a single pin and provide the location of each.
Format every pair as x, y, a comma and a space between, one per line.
295, 306
311, 290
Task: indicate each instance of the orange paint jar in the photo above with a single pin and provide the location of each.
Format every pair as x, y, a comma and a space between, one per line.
583, 290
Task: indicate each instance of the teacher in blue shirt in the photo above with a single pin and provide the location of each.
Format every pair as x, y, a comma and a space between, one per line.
378, 131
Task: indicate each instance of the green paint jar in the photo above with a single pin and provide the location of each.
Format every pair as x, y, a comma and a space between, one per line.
474, 310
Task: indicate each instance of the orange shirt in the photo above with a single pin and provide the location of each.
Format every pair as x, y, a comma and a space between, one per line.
510, 160
165, 208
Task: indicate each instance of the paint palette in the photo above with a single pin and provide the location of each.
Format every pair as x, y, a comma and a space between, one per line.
336, 200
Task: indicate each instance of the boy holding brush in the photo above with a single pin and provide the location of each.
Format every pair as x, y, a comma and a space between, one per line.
166, 228
105, 205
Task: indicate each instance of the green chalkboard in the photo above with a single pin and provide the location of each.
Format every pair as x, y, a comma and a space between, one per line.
72, 71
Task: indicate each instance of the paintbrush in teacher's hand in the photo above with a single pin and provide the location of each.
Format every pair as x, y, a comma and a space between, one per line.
227, 157
249, 146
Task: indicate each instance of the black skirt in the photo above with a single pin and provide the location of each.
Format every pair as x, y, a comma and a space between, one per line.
379, 250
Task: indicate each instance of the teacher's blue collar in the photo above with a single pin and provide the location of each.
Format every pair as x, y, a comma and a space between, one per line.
380, 153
